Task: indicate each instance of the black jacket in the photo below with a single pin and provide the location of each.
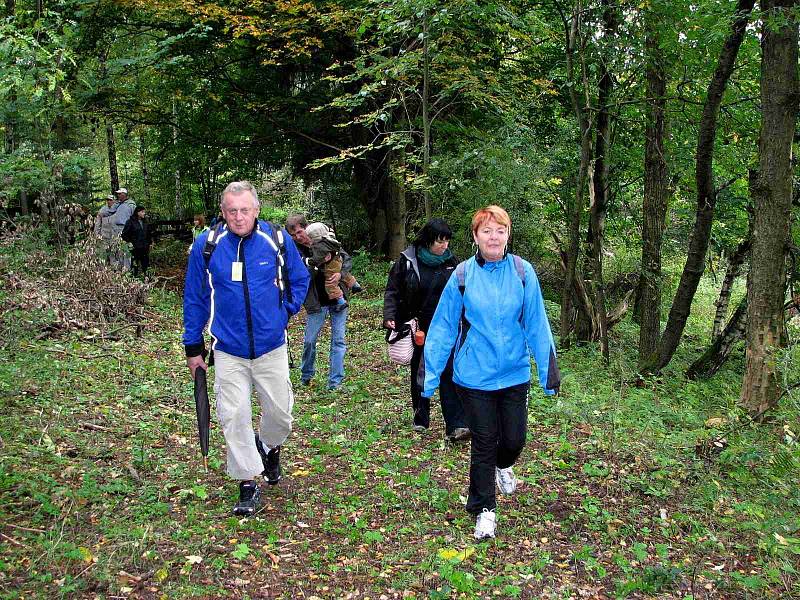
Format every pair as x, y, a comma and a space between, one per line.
413, 289
137, 232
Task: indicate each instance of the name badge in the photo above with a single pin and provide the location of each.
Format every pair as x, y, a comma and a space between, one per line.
236, 271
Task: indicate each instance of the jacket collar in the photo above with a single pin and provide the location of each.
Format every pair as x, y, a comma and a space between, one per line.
482, 261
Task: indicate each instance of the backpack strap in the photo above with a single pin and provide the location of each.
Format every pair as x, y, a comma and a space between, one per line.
463, 323
285, 290
520, 268
211, 242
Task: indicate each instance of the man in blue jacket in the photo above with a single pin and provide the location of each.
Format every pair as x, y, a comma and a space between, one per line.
235, 283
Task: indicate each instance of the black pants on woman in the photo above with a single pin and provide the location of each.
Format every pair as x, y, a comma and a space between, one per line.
498, 421
452, 411
141, 259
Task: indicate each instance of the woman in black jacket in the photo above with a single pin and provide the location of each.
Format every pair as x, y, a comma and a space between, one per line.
137, 233
415, 283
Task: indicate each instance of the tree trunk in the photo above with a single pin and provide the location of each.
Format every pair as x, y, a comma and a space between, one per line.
178, 189
715, 356
654, 205
771, 190
735, 263
369, 179
706, 193
426, 117
143, 166
112, 157
600, 181
396, 205
575, 212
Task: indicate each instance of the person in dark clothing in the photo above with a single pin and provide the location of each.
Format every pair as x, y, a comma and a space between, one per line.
137, 233
415, 283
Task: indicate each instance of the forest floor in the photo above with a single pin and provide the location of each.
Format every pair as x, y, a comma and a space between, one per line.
623, 494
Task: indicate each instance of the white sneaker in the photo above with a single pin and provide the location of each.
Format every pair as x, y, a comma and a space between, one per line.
505, 479
485, 524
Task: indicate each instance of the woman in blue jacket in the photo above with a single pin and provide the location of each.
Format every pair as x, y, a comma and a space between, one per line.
492, 311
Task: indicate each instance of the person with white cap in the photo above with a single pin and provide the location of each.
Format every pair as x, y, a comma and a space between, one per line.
123, 210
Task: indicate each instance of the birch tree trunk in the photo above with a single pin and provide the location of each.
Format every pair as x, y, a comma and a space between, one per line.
735, 263
396, 205
719, 351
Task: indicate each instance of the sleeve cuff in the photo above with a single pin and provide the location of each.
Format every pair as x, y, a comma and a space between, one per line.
194, 349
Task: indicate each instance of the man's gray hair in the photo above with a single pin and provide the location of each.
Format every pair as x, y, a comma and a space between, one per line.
237, 187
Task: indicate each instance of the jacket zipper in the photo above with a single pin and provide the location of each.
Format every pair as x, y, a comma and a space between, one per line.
247, 312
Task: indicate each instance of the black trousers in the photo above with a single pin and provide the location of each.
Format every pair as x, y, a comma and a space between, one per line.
141, 258
452, 410
498, 421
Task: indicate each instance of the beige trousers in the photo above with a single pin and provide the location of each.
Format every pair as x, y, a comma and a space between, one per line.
233, 386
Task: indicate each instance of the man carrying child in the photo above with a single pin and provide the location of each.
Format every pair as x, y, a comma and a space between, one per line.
318, 305
326, 255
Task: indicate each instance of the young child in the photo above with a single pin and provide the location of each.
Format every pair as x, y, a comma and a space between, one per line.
325, 255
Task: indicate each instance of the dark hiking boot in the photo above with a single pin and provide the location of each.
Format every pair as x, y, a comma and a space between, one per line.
459, 434
271, 461
272, 472
249, 499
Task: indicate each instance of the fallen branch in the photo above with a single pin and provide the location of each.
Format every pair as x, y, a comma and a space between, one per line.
24, 528
94, 427
84, 357
118, 329
13, 541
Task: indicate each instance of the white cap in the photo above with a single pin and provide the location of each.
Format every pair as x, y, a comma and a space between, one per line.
317, 231
121, 191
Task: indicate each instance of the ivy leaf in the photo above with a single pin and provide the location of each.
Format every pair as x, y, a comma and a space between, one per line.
242, 551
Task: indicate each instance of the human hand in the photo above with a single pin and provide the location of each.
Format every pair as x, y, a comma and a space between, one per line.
333, 279
196, 361
389, 324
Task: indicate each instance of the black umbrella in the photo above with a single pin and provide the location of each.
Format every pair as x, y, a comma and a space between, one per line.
203, 411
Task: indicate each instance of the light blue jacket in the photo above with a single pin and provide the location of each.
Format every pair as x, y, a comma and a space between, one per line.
497, 349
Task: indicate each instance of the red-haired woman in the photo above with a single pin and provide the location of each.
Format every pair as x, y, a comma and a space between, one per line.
492, 312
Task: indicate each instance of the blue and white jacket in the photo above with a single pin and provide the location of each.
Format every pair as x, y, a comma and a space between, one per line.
245, 318
498, 346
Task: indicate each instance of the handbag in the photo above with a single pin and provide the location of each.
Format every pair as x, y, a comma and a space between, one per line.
401, 342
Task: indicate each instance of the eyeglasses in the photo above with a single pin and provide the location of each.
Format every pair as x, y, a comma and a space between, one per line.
243, 211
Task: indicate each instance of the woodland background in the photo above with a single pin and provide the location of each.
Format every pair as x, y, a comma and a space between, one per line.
645, 154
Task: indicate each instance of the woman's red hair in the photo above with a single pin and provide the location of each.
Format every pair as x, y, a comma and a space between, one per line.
488, 213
